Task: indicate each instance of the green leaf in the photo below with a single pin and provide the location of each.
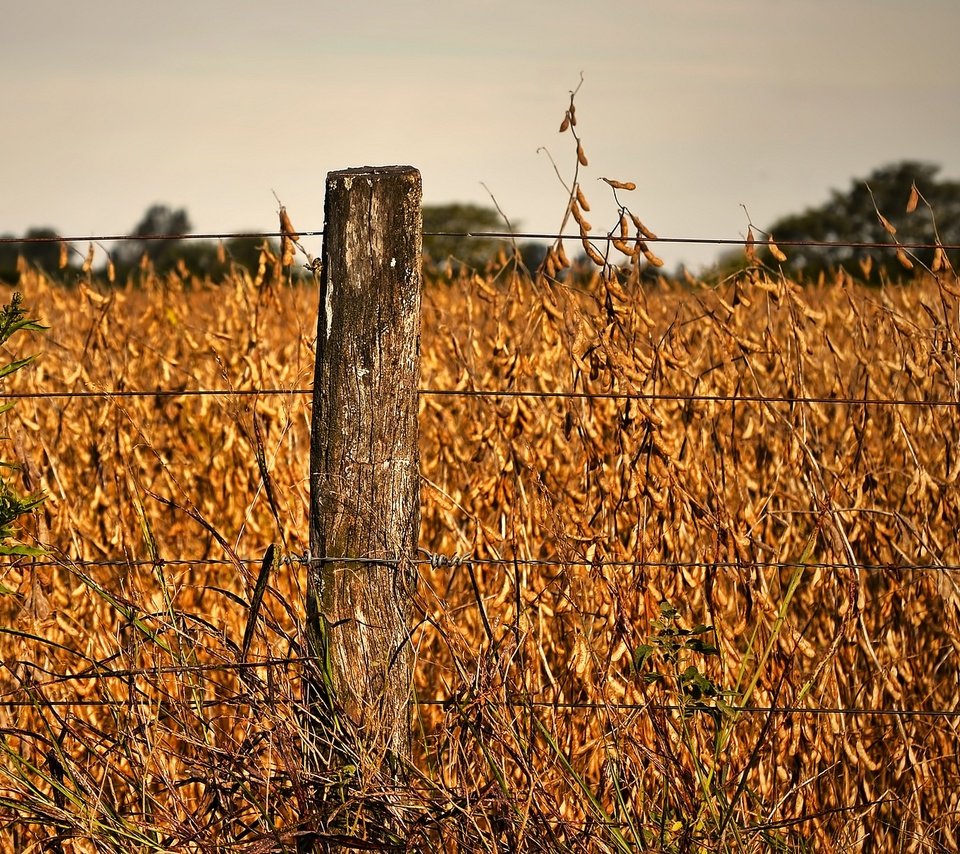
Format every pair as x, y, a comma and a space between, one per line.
13, 506
641, 655
696, 685
701, 646
21, 550
6, 370
668, 611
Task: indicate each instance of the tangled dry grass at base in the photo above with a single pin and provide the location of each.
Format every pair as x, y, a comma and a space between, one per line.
564, 706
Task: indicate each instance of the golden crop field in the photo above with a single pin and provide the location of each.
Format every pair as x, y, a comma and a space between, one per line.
642, 581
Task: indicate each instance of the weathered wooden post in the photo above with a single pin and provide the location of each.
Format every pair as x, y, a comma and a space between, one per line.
364, 473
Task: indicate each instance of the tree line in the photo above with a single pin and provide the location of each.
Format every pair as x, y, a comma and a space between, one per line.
905, 201
865, 212
214, 259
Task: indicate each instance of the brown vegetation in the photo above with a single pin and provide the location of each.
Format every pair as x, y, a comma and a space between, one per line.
761, 489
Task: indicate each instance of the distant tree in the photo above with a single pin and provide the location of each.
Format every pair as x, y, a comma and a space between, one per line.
203, 258
460, 218
532, 254
198, 256
159, 219
245, 251
851, 216
45, 255
9, 252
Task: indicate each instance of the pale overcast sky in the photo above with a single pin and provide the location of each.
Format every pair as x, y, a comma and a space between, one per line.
111, 105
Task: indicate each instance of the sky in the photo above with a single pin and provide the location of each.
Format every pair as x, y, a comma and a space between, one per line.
716, 110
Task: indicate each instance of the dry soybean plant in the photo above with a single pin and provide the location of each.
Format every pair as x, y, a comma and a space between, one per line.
632, 245
719, 541
692, 523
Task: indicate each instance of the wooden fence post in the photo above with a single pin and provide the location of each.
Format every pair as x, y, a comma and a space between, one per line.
364, 473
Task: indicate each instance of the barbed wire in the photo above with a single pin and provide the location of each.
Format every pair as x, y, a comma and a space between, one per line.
647, 397
438, 562
852, 711
680, 564
96, 671
488, 235
469, 701
138, 238
680, 397
158, 392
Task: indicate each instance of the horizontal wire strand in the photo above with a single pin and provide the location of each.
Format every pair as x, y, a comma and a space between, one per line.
854, 711
442, 562
453, 702
115, 238
649, 397
769, 710
486, 235
689, 398
278, 661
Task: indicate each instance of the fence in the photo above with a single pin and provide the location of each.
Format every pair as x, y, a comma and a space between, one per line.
336, 746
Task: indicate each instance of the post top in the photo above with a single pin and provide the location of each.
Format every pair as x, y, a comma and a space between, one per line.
358, 171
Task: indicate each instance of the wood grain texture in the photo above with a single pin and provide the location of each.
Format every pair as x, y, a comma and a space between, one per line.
364, 459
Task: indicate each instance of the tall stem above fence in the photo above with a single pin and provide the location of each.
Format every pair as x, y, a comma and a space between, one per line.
364, 470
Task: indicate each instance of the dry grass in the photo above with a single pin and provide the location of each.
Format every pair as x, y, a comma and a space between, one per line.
707, 495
